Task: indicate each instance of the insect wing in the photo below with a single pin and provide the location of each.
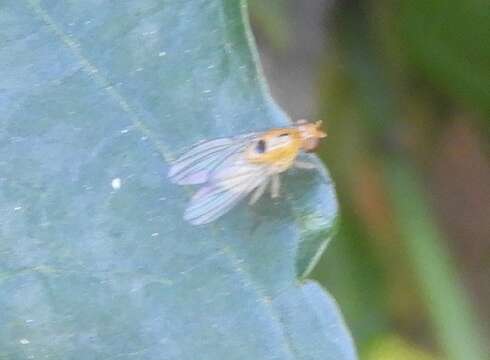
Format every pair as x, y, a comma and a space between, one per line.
229, 184
195, 166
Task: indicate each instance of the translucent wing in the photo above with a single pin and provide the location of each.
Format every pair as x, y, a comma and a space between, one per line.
231, 182
195, 166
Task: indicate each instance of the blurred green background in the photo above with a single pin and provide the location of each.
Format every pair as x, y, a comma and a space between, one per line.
404, 90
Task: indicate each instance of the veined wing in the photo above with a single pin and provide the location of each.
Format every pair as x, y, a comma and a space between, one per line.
231, 182
196, 165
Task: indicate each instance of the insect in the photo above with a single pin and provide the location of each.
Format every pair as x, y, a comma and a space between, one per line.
232, 168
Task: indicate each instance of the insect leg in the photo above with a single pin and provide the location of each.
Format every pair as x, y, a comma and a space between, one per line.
304, 165
275, 186
259, 191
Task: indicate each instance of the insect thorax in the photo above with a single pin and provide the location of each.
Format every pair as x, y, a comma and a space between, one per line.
276, 148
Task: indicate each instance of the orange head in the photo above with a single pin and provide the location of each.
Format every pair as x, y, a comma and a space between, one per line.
310, 133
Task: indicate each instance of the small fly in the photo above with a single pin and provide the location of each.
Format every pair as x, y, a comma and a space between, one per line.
232, 168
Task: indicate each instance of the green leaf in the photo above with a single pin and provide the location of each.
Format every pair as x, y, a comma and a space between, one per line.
96, 261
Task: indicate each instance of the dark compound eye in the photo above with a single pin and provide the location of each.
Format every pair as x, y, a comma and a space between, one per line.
260, 146
283, 134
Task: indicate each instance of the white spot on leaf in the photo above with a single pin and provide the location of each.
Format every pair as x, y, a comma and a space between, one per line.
116, 183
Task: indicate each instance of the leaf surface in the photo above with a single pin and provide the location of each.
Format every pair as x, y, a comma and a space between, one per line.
96, 261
